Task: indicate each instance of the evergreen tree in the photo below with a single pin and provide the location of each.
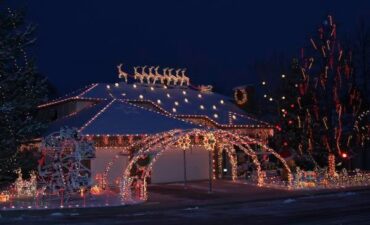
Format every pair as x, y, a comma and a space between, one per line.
22, 89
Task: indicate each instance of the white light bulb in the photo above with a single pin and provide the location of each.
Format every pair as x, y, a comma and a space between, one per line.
282, 75
222, 101
271, 99
108, 86
184, 92
201, 107
168, 95
186, 100
176, 103
265, 96
234, 117
263, 82
141, 96
159, 101
173, 109
152, 88
199, 95
214, 107
215, 115
134, 85
116, 84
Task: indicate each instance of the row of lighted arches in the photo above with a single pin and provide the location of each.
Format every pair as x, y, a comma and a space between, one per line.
155, 145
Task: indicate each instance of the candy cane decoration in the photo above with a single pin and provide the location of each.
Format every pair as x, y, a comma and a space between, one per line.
313, 44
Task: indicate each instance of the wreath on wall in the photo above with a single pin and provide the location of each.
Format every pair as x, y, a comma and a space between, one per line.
241, 96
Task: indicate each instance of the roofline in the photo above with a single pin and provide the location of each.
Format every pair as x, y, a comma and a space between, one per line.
184, 116
72, 95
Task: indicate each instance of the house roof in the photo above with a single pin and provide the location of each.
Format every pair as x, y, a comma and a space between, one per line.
124, 111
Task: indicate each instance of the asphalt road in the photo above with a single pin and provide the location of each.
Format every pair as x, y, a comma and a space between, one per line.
340, 208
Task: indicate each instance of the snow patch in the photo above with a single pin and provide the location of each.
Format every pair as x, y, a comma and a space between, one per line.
192, 208
289, 200
56, 214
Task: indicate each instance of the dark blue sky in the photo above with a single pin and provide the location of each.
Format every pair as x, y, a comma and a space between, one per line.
81, 41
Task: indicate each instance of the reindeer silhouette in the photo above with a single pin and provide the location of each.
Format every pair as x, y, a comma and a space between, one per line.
178, 77
171, 77
143, 73
165, 77
157, 76
121, 73
184, 78
137, 75
150, 75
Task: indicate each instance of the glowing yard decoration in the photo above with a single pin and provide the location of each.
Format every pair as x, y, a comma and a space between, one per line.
166, 78
25, 188
60, 167
241, 96
209, 141
4, 197
135, 183
184, 142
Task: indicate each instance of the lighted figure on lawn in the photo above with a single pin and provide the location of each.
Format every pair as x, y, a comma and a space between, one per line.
61, 169
25, 188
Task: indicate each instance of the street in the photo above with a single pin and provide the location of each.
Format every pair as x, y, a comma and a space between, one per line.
171, 204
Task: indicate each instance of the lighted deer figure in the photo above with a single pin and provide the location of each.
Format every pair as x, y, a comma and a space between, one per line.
143, 73
150, 75
171, 76
184, 78
165, 77
178, 77
121, 73
157, 75
137, 75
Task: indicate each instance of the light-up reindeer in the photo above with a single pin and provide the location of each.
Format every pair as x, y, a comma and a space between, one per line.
184, 78
143, 74
137, 75
121, 73
150, 75
178, 77
157, 75
165, 77
171, 76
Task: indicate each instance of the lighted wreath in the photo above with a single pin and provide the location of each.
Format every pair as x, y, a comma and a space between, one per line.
241, 96
209, 141
184, 142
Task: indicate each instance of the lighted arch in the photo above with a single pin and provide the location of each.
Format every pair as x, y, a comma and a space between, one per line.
231, 153
246, 140
169, 139
147, 141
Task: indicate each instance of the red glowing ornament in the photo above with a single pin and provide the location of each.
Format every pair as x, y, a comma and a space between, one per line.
278, 127
292, 106
290, 122
285, 143
344, 155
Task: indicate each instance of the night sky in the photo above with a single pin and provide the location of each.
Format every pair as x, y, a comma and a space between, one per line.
82, 41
